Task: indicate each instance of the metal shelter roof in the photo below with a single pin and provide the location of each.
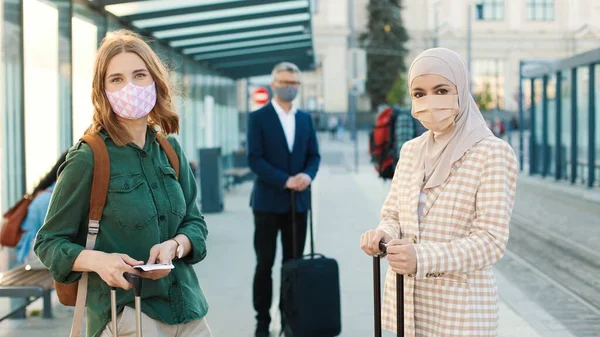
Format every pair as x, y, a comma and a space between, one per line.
542, 68
240, 38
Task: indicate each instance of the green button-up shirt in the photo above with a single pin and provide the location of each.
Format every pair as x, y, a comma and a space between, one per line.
146, 205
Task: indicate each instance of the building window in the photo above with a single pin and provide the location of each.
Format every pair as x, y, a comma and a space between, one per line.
40, 47
492, 10
488, 84
540, 10
84, 36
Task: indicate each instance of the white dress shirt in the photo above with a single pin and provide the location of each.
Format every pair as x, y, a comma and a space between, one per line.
288, 122
422, 201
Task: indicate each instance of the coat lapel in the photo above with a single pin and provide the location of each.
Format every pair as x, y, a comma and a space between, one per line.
414, 192
434, 193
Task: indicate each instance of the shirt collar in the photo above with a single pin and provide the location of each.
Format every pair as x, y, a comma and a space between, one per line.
280, 110
150, 134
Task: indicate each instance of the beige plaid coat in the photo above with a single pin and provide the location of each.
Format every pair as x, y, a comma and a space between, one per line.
463, 231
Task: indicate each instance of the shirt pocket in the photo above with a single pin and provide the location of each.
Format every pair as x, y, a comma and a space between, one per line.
456, 280
174, 191
131, 202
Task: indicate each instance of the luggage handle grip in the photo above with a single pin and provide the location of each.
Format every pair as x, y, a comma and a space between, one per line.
312, 256
383, 248
135, 281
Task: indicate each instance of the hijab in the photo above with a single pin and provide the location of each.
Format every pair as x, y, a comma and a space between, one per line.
438, 153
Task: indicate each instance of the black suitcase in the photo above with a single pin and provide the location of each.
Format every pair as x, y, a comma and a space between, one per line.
377, 295
310, 290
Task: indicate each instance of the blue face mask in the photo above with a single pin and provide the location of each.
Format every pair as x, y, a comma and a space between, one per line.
286, 94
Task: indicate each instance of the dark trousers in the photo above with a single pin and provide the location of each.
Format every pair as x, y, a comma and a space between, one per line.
266, 227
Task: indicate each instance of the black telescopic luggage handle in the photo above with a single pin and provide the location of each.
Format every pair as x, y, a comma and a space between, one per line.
294, 226
377, 295
136, 284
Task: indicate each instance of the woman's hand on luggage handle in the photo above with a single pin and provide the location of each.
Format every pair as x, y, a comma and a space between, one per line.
110, 267
369, 241
402, 256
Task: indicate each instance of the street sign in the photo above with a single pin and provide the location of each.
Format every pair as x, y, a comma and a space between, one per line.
357, 71
357, 87
260, 96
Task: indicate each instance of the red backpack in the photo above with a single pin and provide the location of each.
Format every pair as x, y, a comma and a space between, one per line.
382, 144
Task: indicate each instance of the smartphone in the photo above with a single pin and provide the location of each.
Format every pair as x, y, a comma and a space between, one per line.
157, 266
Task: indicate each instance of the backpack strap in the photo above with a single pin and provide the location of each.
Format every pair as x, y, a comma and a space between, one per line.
169, 151
101, 178
97, 201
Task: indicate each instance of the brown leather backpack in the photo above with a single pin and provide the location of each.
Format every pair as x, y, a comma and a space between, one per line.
72, 294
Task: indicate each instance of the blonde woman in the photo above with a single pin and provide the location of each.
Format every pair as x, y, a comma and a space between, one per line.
446, 217
150, 216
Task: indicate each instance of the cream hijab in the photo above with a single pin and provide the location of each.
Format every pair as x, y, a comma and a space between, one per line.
438, 153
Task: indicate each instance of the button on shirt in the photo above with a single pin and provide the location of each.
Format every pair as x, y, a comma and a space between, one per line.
288, 122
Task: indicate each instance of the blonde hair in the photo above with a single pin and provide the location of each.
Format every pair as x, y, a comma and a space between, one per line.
163, 114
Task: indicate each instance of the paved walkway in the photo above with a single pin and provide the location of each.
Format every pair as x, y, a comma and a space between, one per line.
345, 205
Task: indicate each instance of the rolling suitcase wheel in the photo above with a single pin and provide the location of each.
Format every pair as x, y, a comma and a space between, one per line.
377, 295
136, 283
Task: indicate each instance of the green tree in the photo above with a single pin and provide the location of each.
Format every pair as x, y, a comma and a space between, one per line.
384, 42
397, 95
484, 98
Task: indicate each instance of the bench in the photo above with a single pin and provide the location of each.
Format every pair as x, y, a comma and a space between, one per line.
235, 176
29, 284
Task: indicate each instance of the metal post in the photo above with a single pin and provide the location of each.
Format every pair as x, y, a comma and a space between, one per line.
102, 29
65, 75
497, 85
352, 93
521, 118
247, 97
469, 38
532, 133
558, 152
47, 304
436, 28
545, 152
574, 145
21, 111
592, 127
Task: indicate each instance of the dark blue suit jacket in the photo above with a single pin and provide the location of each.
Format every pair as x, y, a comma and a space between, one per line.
270, 159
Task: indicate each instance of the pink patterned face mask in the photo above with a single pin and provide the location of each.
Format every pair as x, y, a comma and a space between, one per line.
133, 102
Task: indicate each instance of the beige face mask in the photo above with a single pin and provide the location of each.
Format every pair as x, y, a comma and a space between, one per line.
436, 112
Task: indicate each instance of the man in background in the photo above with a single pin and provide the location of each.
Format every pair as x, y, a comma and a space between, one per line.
284, 154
